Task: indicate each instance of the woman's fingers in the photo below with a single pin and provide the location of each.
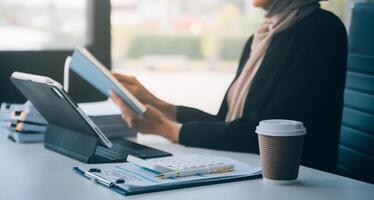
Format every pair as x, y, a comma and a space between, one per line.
127, 114
153, 121
136, 88
125, 78
130, 87
152, 112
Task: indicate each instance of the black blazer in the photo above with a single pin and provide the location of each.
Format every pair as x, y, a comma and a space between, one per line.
301, 78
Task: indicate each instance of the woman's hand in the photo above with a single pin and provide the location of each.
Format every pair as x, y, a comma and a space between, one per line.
136, 88
153, 121
144, 96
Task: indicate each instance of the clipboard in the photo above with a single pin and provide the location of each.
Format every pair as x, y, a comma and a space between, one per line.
99, 175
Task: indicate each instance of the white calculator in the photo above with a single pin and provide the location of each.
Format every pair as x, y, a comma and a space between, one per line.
186, 162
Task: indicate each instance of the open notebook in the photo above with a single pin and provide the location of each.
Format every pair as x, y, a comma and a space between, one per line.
138, 179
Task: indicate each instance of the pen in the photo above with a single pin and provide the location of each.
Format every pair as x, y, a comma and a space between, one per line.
98, 179
191, 172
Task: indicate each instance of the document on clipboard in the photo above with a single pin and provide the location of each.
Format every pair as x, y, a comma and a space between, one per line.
129, 178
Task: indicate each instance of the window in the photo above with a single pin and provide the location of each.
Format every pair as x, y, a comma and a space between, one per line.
173, 44
341, 8
36, 36
159, 34
42, 24
186, 51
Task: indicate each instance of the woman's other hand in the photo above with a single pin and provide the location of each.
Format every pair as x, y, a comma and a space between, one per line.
146, 97
152, 121
136, 88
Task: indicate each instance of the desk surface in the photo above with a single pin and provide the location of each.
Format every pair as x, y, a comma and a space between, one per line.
29, 171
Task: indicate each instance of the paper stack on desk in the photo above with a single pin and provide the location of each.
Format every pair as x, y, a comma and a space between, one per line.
22, 123
107, 116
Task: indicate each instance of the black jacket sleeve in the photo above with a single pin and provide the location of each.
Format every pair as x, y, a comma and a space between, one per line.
187, 114
306, 88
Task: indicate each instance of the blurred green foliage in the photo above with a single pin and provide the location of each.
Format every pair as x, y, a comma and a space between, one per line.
188, 45
219, 41
231, 47
145, 44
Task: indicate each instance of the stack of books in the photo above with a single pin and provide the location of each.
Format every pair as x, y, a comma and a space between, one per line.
22, 123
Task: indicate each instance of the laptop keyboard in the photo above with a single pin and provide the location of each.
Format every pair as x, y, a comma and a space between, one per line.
123, 147
109, 153
137, 150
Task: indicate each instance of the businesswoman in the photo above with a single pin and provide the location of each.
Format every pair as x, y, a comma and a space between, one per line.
293, 67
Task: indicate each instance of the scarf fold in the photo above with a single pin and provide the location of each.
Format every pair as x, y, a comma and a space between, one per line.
280, 15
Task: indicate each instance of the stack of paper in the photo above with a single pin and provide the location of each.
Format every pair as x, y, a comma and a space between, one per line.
22, 123
107, 116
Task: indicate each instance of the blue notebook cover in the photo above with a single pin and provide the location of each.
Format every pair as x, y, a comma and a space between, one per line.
90, 69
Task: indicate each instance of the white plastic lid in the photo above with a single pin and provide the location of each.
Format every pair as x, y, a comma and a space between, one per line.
280, 127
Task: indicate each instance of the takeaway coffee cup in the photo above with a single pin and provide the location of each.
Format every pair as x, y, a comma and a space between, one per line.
281, 143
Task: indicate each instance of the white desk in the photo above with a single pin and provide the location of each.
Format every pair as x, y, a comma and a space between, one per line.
29, 171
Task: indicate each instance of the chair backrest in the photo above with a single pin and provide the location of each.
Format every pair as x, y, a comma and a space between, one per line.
356, 149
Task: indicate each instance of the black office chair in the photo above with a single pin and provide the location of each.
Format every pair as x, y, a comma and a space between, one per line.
356, 149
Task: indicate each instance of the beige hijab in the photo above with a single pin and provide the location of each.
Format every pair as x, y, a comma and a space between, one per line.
280, 15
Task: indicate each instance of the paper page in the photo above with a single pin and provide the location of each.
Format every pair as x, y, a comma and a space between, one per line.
100, 108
